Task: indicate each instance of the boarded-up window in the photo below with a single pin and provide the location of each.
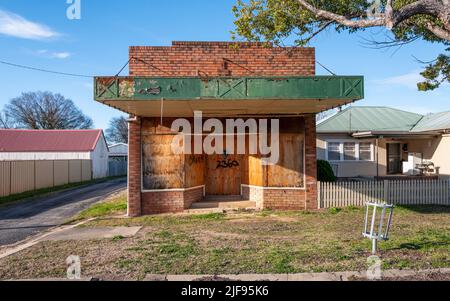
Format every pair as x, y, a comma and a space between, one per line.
289, 171
162, 169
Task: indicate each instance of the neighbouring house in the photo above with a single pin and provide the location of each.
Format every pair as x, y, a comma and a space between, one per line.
384, 142
198, 84
57, 145
118, 159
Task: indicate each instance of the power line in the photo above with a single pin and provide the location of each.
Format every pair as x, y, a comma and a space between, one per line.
91, 76
45, 70
331, 72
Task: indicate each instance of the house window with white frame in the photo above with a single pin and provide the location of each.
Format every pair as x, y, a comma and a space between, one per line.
349, 151
334, 151
365, 151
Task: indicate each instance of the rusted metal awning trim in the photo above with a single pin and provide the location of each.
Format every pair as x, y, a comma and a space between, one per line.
232, 88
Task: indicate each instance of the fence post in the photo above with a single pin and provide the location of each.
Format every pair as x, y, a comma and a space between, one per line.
386, 191
319, 195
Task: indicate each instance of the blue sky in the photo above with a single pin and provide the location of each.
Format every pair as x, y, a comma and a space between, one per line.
43, 36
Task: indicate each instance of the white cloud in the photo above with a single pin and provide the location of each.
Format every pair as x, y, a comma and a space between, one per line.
60, 55
53, 55
408, 80
17, 26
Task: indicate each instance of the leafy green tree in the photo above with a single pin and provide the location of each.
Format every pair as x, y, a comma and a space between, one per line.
409, 20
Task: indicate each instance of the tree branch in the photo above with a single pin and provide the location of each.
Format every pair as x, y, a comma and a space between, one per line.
321, 28
361, 23
422, 7
438, 31
389, 15
392, 18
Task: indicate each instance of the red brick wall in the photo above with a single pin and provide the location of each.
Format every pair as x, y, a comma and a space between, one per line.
167, 201
275, 199
162, 202
134, 168
311, 162
284, 199
192, 196
221, 59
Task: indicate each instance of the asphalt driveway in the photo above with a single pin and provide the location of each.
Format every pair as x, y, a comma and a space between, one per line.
21, 220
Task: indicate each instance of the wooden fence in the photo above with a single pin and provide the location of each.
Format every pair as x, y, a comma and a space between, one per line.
22, 176
397, 192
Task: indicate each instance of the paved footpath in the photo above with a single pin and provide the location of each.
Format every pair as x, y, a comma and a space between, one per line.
21, 220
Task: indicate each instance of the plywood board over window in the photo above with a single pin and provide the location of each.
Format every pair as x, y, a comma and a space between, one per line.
195, 170
289, 170
255, 173
162, 169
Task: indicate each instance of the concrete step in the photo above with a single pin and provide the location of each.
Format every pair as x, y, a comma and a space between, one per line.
225, 204
222, 198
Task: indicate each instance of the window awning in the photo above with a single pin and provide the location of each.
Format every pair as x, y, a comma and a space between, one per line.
227, 96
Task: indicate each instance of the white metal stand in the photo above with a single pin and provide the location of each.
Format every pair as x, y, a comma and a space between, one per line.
382, 233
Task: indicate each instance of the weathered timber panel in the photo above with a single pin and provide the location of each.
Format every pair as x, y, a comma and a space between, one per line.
289, 170
195, 170
224, 175
256, 171
162, 168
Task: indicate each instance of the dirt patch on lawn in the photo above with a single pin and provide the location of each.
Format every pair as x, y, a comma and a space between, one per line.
208, 235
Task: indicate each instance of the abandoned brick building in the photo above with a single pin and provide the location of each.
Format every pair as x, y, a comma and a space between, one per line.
222, 80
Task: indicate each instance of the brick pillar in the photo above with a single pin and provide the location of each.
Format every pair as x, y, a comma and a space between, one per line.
134, 168
311, 162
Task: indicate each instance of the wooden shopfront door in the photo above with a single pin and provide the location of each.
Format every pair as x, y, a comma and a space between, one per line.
223, 175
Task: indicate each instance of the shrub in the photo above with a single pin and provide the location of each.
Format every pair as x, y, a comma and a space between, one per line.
325, 172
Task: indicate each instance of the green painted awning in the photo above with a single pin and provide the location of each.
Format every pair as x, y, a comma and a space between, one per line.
141, 96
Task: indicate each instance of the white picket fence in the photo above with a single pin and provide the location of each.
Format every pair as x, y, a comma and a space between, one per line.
397, 192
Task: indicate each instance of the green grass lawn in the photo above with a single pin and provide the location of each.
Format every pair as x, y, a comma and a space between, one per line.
242, 242
111, 206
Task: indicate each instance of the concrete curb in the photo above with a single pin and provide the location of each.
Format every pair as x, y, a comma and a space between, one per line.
337, 276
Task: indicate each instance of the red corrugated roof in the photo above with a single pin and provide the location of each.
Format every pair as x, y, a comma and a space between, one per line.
49, 140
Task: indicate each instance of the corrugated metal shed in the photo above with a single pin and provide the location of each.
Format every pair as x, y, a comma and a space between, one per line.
433, 122
119, 149
358, 119
49, 140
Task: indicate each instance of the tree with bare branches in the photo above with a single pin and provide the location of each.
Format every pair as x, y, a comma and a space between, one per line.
118, 130
43, 110
408, 20
6, 122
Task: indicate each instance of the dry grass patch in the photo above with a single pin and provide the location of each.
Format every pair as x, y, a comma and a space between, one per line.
265, 242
